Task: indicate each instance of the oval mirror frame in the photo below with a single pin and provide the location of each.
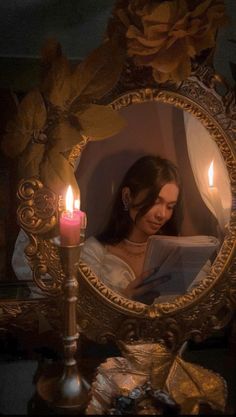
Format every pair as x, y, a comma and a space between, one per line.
102, 313
210, 305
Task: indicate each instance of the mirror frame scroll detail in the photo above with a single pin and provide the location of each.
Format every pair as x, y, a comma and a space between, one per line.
38, 215
103, 314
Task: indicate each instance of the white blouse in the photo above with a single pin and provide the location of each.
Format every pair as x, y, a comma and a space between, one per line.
109, 268
116, 273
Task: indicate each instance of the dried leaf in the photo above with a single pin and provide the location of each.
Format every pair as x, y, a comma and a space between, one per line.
65, 136
30, 160
59, 83
150, 358
56, 78
189, 383
56, 173
100, 122
99, 72
31, 117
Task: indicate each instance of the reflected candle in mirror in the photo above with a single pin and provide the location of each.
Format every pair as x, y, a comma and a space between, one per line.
81, 214
70, 222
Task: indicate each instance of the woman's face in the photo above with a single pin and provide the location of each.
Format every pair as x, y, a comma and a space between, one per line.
157, 215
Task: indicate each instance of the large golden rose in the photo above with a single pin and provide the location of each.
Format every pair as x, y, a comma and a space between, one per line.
167, 35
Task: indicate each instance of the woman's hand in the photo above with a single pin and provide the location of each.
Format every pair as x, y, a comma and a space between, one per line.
139, 291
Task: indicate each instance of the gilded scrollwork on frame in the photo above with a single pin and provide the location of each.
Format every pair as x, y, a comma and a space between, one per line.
76, 150
37, 212
38, 215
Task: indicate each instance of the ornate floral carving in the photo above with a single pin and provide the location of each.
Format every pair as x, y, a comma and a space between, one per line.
107, 293
38, 211
38, 215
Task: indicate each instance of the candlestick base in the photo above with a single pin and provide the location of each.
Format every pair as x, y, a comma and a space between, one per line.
64, 390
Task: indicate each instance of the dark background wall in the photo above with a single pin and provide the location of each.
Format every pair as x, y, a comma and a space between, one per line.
79, 25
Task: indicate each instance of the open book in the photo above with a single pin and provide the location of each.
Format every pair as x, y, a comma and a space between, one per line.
176, 262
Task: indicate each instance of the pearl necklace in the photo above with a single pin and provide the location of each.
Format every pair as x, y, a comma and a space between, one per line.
125, 244
131, 243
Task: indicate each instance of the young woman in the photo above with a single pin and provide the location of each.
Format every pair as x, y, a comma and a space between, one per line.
148, 202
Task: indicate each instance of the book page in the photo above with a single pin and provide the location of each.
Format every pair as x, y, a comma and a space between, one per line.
177, 261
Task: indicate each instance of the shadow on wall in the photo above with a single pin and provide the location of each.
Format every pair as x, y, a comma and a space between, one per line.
102, 186
8, 188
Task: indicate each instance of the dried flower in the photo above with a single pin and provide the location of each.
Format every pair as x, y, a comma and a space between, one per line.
167, 35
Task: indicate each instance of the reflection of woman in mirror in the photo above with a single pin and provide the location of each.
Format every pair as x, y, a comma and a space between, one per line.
148, 202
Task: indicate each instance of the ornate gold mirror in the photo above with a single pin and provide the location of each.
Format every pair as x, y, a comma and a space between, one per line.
67, 122
179, 316
102, 313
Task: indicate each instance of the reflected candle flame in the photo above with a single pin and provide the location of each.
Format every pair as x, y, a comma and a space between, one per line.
216, 199
77, 204
211, 175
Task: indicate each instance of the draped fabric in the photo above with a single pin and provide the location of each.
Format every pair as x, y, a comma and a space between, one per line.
202, 150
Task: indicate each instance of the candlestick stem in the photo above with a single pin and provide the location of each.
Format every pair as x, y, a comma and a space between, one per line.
67, 389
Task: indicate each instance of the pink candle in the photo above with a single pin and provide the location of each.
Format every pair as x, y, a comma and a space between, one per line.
70, 222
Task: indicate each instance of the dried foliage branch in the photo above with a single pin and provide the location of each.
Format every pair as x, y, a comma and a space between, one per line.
55, 117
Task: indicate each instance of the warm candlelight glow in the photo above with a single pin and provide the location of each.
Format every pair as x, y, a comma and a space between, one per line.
69, 199
72, 221
77, 204
211, 175
216, 203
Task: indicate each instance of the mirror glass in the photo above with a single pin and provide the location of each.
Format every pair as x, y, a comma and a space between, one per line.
161, 129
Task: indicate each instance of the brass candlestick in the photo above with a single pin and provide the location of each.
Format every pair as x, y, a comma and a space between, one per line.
66, 389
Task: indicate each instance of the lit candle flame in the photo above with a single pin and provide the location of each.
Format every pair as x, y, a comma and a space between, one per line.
211, 175
77, 204
69, 199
